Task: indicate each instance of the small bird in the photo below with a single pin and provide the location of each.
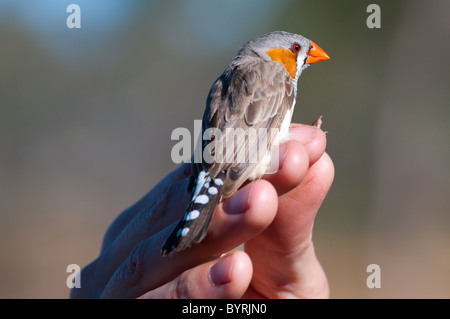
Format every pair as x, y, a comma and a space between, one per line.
256, 91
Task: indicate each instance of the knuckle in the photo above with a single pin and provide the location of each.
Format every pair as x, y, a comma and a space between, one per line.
168, 206
157, 210
184, 287
131, 271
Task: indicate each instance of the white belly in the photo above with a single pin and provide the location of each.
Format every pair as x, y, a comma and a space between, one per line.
265, 166
283, 137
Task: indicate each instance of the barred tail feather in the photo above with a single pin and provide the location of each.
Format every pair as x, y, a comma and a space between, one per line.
193, 226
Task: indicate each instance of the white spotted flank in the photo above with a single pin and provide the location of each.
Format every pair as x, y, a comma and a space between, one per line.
192, 215
212, 190
202, 179
182, 232
201, 199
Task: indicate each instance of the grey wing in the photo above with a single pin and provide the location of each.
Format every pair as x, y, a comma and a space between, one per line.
254, 95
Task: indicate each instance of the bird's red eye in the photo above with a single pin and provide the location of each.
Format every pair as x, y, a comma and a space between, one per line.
296, 47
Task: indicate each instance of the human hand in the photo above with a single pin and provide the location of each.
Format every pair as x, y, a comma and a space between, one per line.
274, 216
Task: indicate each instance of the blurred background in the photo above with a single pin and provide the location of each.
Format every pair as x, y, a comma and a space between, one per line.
86, 117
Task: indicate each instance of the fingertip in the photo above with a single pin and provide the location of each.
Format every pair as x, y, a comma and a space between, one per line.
313, 138
263, 205
240, 275
239, 202
233, 271
256, 203
316, 147
230, 276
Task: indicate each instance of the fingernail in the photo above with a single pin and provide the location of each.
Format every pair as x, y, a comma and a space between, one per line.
239, 202
303, 134
220, 273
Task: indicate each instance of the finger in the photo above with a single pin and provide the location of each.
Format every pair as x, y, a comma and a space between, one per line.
167, 209
236, 220
313, 138
305, 148
149, 221
298, 208
293, 165
125, 217
226, 277
287, 241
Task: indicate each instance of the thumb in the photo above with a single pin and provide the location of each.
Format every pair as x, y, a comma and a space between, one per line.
226, 277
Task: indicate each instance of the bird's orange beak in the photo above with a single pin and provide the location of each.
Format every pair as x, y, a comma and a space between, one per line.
316, 54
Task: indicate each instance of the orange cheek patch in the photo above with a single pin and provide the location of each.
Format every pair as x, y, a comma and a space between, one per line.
285, 57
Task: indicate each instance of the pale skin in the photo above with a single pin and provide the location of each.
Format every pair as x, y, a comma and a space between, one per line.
273, 216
